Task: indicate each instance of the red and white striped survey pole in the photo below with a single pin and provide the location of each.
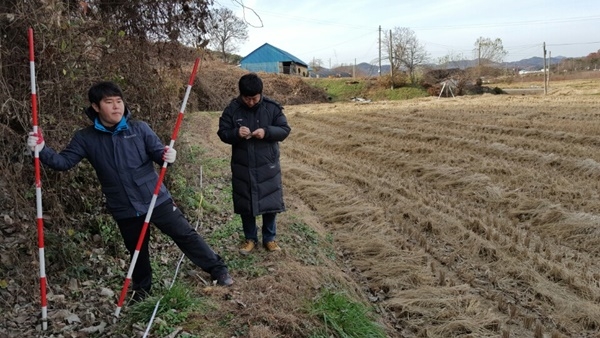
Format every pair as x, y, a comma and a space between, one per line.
38, 185
156, 191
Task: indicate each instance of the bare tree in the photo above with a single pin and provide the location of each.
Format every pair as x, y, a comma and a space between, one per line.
452, 60
488, 51
155, 20
405, 52
316, 64
225, 31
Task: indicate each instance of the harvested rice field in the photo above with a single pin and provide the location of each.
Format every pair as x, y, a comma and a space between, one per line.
468, 216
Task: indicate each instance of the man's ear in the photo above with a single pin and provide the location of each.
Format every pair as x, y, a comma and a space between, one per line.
96, 108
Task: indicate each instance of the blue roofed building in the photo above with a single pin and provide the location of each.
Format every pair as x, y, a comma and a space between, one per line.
270, 59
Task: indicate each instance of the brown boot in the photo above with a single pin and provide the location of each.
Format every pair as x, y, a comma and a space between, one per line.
247, 247
272, 246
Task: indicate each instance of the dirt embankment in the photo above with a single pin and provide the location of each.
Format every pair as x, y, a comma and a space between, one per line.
218, 84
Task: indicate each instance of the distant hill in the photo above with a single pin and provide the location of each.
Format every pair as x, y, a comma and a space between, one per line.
361, 69
367, 69
533, 63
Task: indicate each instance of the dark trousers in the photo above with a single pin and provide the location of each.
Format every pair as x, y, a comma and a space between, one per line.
171, 221
269, 228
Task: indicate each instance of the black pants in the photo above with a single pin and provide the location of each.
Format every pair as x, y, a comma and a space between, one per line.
171, 221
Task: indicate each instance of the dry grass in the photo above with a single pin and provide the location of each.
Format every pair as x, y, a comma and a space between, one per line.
474, 216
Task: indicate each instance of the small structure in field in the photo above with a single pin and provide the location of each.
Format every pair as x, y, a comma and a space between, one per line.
449, 86
270, 59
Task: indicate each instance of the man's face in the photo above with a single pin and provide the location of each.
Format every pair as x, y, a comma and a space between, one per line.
251, 101
110, 110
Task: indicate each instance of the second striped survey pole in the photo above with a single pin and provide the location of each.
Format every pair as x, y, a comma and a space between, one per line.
38, 185
156, 191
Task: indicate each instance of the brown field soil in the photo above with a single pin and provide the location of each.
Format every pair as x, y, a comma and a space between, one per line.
474, 216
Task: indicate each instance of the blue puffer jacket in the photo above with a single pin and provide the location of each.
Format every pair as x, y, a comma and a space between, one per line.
123, 159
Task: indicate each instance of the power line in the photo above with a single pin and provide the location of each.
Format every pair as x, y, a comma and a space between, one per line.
574, 43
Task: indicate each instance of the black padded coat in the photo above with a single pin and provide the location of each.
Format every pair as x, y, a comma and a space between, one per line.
255, 168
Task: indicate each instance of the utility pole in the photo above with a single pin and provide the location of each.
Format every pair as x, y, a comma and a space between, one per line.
379, 50
391, 61
354, 69
479, 57
549, 61
479, 54
545, 72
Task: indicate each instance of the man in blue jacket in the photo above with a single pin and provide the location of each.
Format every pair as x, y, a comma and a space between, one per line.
123, 153
254, 125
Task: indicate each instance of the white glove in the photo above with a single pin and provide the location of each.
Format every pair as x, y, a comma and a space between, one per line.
36, 141
169, 155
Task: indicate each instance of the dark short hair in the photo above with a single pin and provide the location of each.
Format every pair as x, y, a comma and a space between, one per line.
250, 85
103, 89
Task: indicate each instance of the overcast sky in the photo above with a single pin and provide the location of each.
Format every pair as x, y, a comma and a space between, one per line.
345, 32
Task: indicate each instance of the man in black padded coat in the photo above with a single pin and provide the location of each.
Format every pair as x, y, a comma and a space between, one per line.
254, 125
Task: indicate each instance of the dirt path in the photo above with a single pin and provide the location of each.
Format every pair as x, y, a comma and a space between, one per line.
467, 216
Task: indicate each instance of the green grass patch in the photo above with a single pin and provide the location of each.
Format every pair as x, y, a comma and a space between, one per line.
175, 306
227, 231
186, 194
214, 167
344, 89
402, 93
343, 317
340, 89
218, 196
192, 154
184, 181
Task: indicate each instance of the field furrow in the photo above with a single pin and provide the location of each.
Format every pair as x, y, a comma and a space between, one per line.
462, 216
